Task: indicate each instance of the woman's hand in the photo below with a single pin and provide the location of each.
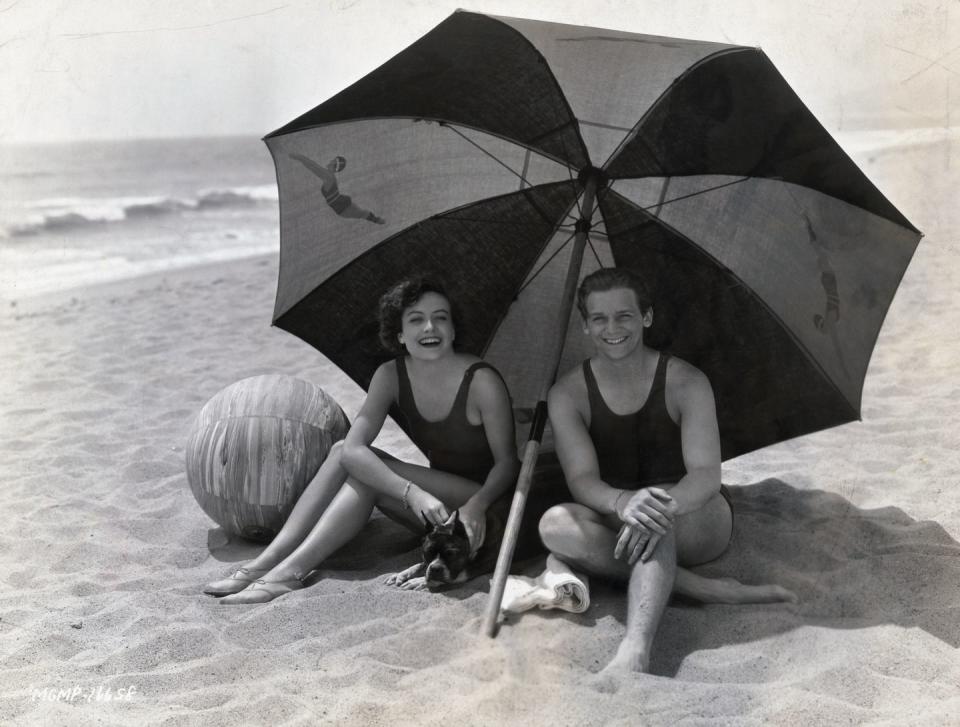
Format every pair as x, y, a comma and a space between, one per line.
430, 510
650, 509
474, 519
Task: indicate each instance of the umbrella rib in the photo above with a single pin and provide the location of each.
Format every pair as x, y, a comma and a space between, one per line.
663, 203
523, 180
554, 228
546, 262
554, 130
598, 125
594, 251
526, 168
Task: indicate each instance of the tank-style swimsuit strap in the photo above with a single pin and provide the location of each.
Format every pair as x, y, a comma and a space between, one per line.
405, 391
658, 385
460, 401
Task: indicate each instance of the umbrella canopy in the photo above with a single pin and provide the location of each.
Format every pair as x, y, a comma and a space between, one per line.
771, 257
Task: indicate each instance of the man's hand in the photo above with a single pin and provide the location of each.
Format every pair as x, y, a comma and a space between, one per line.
650, 509
474, 519
634, 543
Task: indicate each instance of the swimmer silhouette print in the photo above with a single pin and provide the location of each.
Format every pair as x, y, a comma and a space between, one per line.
340, 203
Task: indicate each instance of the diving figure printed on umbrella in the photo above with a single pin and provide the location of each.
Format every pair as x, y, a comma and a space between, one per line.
773, 259
340, 203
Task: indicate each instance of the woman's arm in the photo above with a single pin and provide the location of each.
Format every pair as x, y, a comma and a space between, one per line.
358, 458
363, 464
496, 415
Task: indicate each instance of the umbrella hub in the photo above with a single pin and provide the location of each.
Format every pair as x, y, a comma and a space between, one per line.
592, 180
591, 172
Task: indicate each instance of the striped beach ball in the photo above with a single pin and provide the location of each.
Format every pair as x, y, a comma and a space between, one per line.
255, 446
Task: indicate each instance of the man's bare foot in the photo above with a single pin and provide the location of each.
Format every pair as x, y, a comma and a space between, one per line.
625, 665
629, 658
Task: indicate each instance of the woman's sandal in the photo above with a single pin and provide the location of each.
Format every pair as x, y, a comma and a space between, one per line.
236, 583
261, 591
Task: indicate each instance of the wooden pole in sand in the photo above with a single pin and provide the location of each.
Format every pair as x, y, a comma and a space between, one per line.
532, 450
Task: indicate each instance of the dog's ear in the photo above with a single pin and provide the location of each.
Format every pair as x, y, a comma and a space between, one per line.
427, 526
449, 525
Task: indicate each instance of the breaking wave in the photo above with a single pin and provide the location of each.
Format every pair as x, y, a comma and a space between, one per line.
64, 215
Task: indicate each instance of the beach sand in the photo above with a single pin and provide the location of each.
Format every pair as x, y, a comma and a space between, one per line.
104, 550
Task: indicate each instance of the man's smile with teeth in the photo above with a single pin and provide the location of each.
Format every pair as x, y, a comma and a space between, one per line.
429, 340
615, 341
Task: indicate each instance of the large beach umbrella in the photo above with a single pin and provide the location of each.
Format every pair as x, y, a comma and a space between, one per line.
513, 157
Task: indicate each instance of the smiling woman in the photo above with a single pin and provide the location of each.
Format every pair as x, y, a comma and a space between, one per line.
457, 411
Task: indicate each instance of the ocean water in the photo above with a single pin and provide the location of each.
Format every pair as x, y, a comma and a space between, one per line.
75, 214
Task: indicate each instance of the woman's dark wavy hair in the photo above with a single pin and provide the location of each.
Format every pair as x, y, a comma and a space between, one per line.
400, 297
610, 278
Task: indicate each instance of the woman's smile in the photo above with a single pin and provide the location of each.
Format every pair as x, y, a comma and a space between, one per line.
427, 326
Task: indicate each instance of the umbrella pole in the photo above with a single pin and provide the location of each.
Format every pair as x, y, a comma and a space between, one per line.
532, 449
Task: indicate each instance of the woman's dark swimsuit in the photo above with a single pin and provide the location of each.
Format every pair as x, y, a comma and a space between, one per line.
639, 449
452, 444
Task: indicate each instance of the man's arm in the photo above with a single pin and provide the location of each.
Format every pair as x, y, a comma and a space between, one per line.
575, 450
690, 396
690, 393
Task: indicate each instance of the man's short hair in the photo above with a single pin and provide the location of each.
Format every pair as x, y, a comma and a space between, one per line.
609, 279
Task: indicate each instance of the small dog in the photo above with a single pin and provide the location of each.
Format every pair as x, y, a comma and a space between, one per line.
446, 556
446, 549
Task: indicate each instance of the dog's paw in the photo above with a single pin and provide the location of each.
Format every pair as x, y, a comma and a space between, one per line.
399, 579
415, 584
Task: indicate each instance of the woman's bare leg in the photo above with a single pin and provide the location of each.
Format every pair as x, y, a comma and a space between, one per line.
344, 517
311, 505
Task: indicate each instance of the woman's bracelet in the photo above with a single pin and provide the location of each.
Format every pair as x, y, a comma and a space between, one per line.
616, 503
403, 497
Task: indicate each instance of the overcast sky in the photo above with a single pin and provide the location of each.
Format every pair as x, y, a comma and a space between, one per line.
78, 69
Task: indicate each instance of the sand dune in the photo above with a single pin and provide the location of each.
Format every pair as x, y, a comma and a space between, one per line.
104, 549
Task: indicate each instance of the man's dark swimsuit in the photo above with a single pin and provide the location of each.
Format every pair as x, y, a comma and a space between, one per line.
639, 449
452, 444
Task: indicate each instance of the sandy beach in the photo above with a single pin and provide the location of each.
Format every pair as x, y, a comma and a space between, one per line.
104, 549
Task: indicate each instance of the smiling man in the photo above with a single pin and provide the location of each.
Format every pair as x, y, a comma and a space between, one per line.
637, 438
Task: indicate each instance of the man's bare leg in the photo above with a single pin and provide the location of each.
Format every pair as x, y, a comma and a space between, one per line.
651, 584
586, 540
